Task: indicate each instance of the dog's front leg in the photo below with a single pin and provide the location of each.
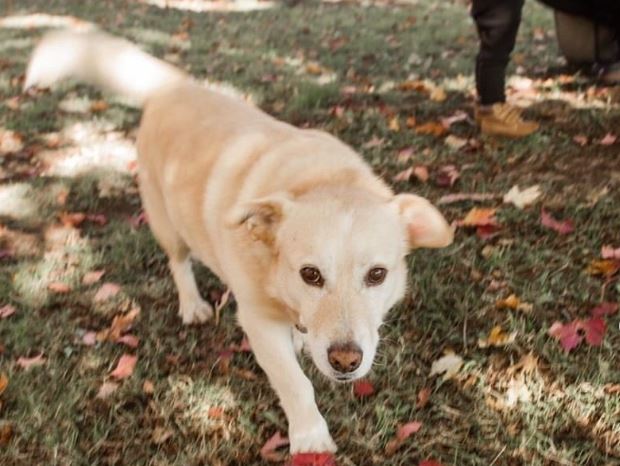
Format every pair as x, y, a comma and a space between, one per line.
272, 344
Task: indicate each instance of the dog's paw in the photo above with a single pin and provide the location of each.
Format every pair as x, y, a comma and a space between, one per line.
312, 439
195, 312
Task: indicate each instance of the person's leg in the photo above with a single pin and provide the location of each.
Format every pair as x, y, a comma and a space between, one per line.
497, 22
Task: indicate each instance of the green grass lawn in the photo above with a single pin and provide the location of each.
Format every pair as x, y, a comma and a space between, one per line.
339, 67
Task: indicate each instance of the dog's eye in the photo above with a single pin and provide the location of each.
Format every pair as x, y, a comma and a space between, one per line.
312, 276
375, 276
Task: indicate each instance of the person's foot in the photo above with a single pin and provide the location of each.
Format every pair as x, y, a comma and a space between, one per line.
611, 74
502, 119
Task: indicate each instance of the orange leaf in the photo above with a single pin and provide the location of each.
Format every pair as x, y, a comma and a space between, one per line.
424, 396
511, 302
432, 128
477, 217
59, 287
605, 267
125, 366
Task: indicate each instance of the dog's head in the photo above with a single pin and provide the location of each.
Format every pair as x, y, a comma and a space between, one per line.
338, 265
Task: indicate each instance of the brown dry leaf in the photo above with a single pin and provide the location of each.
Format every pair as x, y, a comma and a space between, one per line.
125, 366
605, 267
424, 397
581, 139
314, 68
148, 387
106, 389
432, 128
27, 363
92, 277
437, 94
421, 173
120, 324
511, 302
59, 287
413, 85
497, 337
4, 382
108, 290
72, 219
403, 175
394, 124
402, 433
410, 122
98, 106
478, 217
455, 142
6, 433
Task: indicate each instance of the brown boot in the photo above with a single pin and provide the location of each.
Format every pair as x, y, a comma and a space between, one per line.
502, 119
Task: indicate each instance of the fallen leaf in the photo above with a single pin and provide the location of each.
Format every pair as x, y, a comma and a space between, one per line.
314, 68
522, 199
581, 139
363, 388
446, 176
98, 106
106, 389
130, 340
595, 330
410, 122
403, 175
460, 197
449, 365
437, 94
136, 221
497, 337
4, 382
89, 338
312, 459
268, 450
373, 142
71, 219
608, 139
107, 291
99, 219
59, 287
430, 463
394, 124
125, 366
487, 232
563, 227
10, 141
402, 433
120, 324
608, 252
92, 277
459, 115
604, 309
27, 363
424, 396
455, 142
6, 433
511, 302
404, 155
7, 310
478, 217
413, 85
431, 128
605, 267
421, 173
148, 387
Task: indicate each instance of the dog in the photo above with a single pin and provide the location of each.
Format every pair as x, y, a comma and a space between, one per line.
309, 240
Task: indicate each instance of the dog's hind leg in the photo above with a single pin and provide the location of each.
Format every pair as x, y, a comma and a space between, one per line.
192, 308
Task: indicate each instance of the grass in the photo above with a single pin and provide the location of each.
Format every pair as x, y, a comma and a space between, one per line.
333, 66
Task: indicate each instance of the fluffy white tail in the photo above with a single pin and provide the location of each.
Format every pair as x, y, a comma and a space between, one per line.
97, 58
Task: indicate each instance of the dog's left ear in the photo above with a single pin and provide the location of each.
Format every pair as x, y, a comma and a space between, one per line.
261, 217
426, 227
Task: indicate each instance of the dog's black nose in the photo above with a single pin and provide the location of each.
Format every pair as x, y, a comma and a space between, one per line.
344, 357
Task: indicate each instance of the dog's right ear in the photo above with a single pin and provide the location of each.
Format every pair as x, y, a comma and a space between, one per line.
261, 217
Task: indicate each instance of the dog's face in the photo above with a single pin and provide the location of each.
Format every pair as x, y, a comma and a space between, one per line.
338, 266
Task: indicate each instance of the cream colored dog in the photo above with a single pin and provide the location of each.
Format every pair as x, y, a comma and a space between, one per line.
292, 220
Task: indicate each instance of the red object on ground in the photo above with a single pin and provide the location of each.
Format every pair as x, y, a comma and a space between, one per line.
313, 459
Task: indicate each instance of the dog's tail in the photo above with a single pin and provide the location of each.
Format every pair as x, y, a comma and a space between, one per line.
97, 58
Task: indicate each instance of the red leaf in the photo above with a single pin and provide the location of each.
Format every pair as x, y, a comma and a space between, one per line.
268, 451
487, 231
125, 366
447, 176
595, 330
130, 340
604, 309
313, 459
568, 334
406, 430
562, 227
363, 388
6, 311
430, 463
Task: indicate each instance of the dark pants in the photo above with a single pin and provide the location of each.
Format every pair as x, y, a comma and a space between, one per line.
497, 22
